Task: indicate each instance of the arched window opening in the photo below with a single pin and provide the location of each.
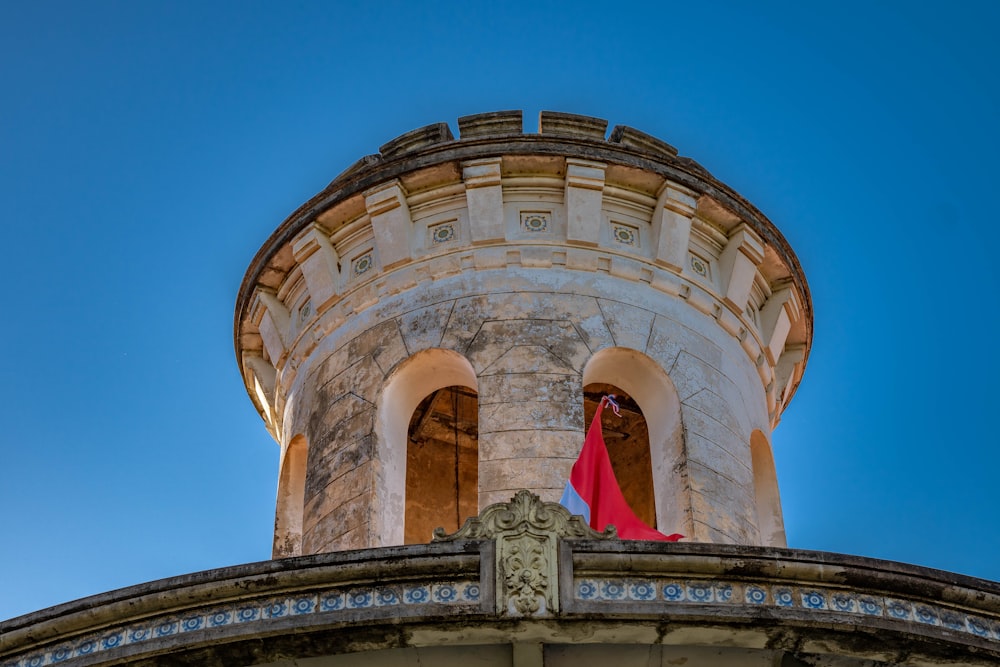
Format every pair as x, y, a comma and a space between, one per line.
627, 440
765, 485
291, 500
442, 463
397, 510
643, 381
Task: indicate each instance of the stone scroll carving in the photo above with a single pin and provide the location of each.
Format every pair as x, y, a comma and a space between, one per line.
526, 531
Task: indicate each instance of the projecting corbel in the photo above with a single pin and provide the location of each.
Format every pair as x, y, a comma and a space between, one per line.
786, 370
391, 223
275, 324
672, 225
584, 199
484, 196
264, 381
777, 316
738, 265
320, 264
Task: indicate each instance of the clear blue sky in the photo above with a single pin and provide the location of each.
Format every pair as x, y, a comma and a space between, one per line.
147, 149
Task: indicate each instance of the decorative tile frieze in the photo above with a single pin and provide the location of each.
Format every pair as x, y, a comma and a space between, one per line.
820, 600
460, 593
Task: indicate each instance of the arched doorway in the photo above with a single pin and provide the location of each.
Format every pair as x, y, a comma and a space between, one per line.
765, 487
627, 440
428, 397
291, 500
442, 463
660, 468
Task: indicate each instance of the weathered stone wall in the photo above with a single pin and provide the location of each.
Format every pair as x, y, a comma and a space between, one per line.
528, 349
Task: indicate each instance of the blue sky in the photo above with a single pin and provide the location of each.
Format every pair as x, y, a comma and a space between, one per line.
148, 149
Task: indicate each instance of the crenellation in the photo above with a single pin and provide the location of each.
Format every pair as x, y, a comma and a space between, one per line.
633, 138
572, 125
414, 140
493, 124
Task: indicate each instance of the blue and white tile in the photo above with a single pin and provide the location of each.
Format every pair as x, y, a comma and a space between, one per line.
247, 613
673, 591
386, 597
444, 593
783, 596
699, 591
926, 614
754, 594
587, 589
871, 606
60, 653
953, 620
612, 589
843, 602
469, 591
86, 647
302, 604
191, 622
275, 608
978, 626
642, 590
113, 640
813, 599
416, 594
898, 609
725, 592
332, 601
138, 633
360, 598
34, 660
165, 627
217, 618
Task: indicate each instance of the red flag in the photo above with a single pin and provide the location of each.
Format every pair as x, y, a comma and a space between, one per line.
593, 482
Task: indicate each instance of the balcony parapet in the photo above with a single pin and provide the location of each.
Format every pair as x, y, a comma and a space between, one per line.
527, 567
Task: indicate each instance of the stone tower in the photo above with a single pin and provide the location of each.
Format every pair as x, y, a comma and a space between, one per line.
425, 336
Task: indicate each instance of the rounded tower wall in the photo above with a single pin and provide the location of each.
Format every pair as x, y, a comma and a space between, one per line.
525, 258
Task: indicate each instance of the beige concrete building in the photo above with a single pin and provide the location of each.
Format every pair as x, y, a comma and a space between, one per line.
426, 339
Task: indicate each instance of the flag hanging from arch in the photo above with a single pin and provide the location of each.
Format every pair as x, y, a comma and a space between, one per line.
593, 492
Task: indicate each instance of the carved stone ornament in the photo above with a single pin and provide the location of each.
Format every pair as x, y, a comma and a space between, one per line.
526, 531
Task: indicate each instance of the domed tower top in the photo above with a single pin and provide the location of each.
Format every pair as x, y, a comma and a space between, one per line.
429, 333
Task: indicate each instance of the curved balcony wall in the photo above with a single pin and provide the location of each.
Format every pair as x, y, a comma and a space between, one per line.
580, 599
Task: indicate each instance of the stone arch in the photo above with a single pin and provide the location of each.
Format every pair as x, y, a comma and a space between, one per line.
415, 379
765, 486
291, 499
650, 387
